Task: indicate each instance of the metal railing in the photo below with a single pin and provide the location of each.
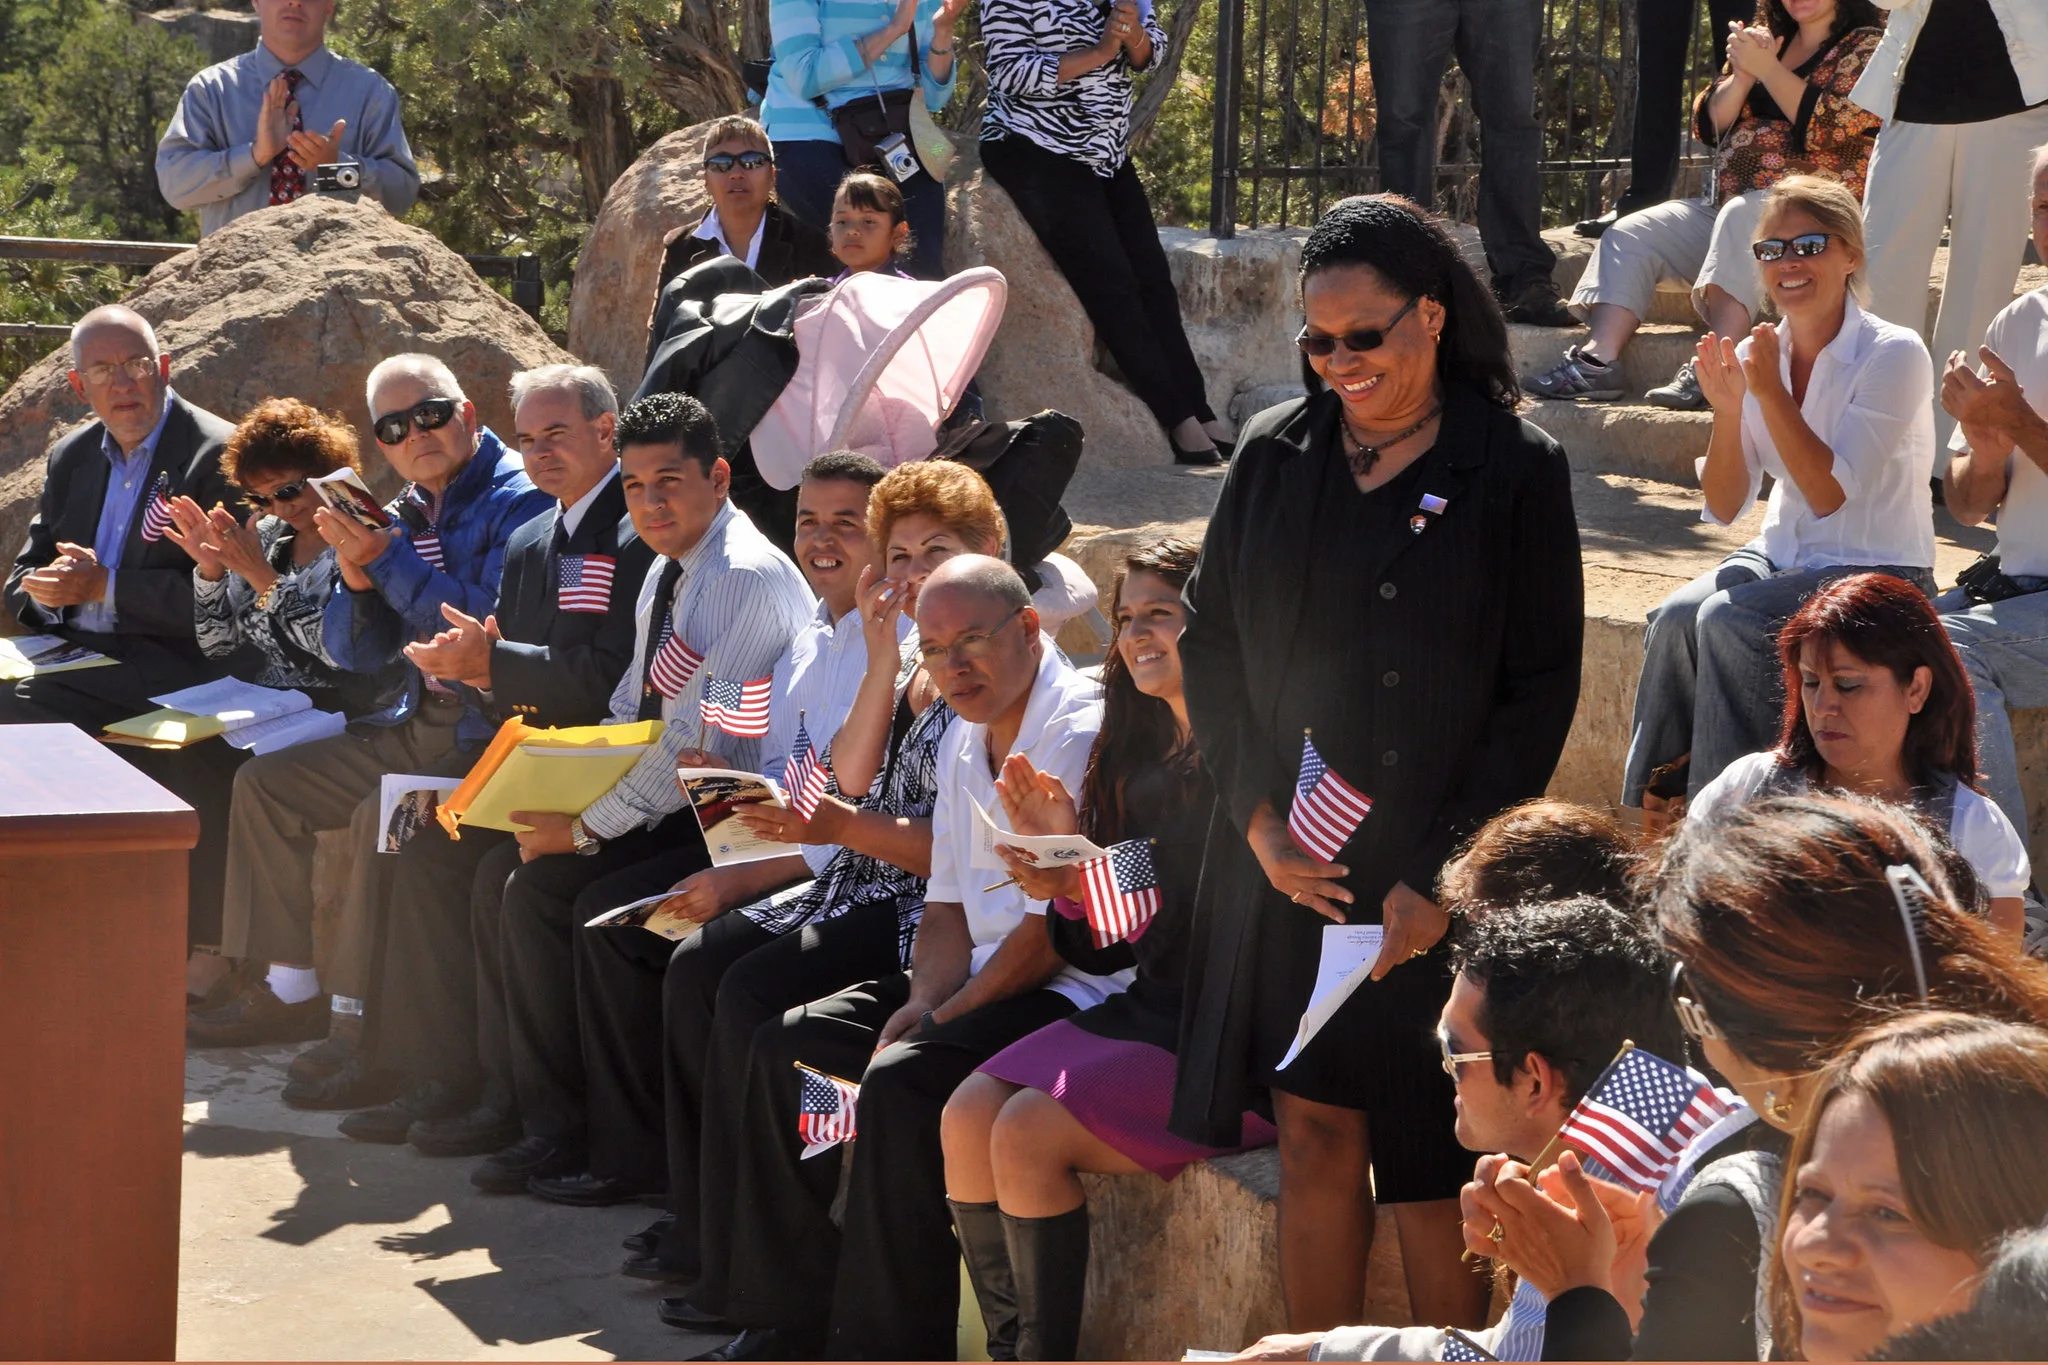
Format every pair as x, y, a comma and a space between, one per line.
1295, 114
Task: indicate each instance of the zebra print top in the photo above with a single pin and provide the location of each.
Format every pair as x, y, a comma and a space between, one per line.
1088, 118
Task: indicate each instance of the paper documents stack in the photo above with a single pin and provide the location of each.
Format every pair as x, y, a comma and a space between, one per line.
1349, 950
556, 772
28, 656
259, 719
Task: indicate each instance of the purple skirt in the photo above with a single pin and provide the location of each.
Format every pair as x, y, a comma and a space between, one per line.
1121, 1091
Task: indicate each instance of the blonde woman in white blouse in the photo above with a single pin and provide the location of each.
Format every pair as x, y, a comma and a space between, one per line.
1835, 405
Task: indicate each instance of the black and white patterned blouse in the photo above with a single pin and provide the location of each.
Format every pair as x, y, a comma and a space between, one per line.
1087, 119
851, 881
285, 631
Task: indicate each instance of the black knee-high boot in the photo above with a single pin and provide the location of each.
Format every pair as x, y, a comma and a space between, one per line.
1049, 1261
987, 1253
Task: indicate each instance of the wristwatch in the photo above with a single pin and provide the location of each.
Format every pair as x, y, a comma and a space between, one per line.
586, 842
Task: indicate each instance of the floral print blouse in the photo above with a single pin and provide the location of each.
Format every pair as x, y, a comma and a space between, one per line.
284, 632
1827, 133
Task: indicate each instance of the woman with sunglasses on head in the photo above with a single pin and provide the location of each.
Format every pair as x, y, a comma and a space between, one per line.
1393, 565
746, 220
259, 589
1877, 704
1795, 922
1833, 404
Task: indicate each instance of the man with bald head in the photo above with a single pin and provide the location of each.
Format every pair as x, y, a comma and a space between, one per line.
984, 974
97, 568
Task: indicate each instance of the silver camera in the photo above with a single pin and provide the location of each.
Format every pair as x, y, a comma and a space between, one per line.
897, 157
338, 178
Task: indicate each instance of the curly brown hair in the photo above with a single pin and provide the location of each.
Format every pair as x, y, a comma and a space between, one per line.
288, 437
953, 493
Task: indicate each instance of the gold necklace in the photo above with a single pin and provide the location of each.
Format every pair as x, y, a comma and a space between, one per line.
1362, 457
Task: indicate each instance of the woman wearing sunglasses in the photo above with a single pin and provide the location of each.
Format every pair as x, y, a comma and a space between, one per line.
1833, 404
259, 589
1393, 565
1796, 922
745, 219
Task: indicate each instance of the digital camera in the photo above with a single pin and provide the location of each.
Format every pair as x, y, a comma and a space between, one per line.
343, 177
897, 157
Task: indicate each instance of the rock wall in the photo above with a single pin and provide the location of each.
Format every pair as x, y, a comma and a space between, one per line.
298, 301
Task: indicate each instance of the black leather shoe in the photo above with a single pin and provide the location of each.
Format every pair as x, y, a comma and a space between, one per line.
478, 1131
654, 1269
354, 1086
391, 1122
507, 1171
754, 1343
643, 1242
582, 1190
344, 1040
690, 1318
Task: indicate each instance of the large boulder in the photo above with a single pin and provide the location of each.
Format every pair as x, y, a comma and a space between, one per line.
613, 298
300, 302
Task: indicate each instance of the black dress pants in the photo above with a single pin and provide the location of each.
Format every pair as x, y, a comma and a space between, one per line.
1663, 32
545, 901
1101, 234
888, 1284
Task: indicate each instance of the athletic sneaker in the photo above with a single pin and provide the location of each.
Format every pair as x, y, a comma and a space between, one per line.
1683, 392
1578, 375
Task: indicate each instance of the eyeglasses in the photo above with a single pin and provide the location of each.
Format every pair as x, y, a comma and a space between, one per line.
1454, 1060
431, 415
967, 647
284, 492
1358, 343
1805, 244
141, 369
721, 162
1691, 1017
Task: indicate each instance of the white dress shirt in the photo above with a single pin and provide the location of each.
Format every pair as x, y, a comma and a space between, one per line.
1058, 731
1870, 400
711, 230
2020, 336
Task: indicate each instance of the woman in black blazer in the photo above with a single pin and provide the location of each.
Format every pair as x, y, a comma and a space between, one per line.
1394, 565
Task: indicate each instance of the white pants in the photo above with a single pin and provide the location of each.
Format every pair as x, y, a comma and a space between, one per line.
1679, 239
1973, 179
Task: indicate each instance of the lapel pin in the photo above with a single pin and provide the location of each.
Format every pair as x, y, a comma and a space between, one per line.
1433, 504
1417, 522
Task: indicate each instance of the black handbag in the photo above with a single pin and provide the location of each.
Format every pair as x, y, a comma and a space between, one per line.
863, 122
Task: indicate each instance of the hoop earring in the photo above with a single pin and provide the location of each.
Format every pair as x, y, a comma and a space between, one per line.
1775, 1109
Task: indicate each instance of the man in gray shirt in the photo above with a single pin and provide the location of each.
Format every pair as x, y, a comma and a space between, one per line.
249, 131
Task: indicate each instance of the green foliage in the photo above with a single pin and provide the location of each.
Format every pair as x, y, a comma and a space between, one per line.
35, 201
1173, 155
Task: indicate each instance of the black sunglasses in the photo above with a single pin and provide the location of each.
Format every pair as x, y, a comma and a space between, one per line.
1358, 343
721, 162
1805, 244
430, 415
284, 492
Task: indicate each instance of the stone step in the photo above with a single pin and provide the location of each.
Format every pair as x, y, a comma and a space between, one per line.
1650, 358
1633, 438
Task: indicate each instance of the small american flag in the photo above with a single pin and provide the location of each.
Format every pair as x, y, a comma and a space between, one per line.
1327, 810
674, 663
156, 518
1640, 1115
805, 774
739, 709
584, 583
1458, 1346
428, 541
1120, 891
824, 1110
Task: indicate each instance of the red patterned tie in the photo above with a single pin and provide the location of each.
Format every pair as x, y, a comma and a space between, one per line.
288, 177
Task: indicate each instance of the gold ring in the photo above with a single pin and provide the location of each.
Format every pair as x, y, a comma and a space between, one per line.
1296, 898
1495, 1235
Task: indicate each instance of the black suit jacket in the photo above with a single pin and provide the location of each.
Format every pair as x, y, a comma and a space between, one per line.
556, 667
791, 249
153, 586
1461, 674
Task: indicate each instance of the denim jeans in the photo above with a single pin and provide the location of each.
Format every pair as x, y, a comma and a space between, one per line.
807, 175
2005, 651
1407, 44
1712, 684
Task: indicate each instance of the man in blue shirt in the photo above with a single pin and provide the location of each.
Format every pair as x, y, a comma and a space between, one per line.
250, 130
96, 569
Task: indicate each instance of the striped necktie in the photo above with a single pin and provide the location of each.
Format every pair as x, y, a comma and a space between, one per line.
660, 622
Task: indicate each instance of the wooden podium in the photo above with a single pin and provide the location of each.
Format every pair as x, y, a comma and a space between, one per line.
92, 950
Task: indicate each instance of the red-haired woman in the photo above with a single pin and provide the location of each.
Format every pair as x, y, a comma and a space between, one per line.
1877, 703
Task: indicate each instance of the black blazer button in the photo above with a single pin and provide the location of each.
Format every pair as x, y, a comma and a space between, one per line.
1387, 590
1389, 759
1390, 679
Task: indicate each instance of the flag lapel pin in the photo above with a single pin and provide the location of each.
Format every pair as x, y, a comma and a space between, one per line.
1432, 505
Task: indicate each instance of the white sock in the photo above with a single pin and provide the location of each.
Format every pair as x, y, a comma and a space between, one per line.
292, 985
346, 1004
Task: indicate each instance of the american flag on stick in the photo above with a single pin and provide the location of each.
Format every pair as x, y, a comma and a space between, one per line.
1640, 1115
674, 663
739, 709
805, 773
156, 518
584, 583
824, 1110
1326, 810
1120, 891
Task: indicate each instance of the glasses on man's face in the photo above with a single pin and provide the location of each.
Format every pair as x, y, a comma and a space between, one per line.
1358, 343
1691, 1016
1454, 1060
284, 492
430, 415
141, 369
968, 648
1768, 249
719, 163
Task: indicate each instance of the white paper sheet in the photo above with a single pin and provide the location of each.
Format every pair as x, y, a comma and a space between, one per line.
1349, 950
282, 732
234, 702
1041, 850
396, 826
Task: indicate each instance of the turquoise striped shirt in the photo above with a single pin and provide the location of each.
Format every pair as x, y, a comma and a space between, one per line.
817, 53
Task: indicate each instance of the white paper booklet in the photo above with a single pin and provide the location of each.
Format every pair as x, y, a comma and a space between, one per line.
641, 914
1040, 850
25, 656
259, 719
406, 803
715, 793
345, 492
1349, 950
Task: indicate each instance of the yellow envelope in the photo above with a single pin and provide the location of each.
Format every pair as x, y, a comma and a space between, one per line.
553, 771
164, 728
